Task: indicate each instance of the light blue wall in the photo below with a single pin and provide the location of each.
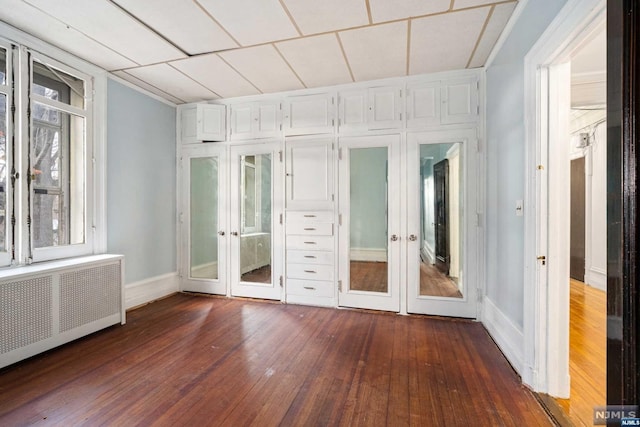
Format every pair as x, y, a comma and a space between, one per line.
505, 159
141, 182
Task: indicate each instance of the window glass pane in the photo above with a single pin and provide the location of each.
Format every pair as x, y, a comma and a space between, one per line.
57, 173
3, 66
204, 218
57, 85
3, 171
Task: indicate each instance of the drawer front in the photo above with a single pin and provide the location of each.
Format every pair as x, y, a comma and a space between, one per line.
313, 243
310, 257
307, 229
309, 216
310, 288
310, 271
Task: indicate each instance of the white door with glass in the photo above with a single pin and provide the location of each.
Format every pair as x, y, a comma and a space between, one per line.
256, 202
442, 188
204, 234
370, 222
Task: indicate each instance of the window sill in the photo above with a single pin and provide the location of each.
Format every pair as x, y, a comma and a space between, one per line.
50, 266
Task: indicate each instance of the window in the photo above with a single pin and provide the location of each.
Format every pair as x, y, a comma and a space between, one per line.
47, 163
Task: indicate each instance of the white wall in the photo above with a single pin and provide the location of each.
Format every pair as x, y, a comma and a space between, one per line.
505, 165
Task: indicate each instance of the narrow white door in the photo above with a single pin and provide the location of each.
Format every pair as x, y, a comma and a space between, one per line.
204, 206
441, 241
370, 222
256, 200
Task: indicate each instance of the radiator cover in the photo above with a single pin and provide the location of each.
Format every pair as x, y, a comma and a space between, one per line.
43, 306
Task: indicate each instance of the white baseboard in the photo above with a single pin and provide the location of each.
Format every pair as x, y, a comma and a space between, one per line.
151, 289
368, 254
428, 253
597, 278
505, 333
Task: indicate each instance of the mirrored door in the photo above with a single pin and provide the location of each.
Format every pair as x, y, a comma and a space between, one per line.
256, 232
370, 228
203, 219
441, 241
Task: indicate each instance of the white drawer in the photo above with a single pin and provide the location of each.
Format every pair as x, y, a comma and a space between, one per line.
310, 288
310, 257
313, 243
307, 229
309, 216
310, 271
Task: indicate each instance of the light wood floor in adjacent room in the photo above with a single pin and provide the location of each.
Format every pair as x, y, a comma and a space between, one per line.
587, 353
196, 361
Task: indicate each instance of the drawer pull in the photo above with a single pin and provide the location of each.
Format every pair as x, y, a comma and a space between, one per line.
309, 229
311, 288
310, 256
309, 216
310, 271
309, 243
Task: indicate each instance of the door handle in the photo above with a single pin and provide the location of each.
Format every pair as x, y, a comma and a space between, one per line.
221, 233
234, 233
413, 238
394, 238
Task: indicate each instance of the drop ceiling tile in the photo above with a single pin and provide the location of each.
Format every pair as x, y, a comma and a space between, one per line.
252, 22
106, 23
37, 23
144, 85
173, 82
212, 72
386, 10
317, 60
181, 21
264, 67
499, 18
461, 4
313, 16
445, 42
376, 52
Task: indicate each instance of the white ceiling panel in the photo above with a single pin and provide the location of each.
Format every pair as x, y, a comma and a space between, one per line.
317, 60
252, 22
101, 20
499, 17
172, 81
22, 15
264, 67
461, 4
313, 16
445, 42
387, 10
212, 72
376, 52
144, 85
181, 21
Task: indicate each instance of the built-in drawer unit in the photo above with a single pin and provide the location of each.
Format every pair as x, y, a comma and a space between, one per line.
310, 257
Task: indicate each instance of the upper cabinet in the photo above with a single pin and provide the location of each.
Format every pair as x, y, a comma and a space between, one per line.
308, 114
442, 102
370, 109
202, 122
309, 173
255, 120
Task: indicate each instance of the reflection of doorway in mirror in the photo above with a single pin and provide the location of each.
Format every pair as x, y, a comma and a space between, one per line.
440, 207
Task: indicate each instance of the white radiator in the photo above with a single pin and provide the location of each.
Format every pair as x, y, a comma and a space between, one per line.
46, 305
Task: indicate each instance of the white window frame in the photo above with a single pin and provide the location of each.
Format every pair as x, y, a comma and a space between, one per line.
5, 256
95, 148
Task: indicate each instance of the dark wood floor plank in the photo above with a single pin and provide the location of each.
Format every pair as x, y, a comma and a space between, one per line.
191, 360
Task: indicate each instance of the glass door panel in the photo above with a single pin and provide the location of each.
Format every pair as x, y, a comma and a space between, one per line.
204, 234
256, 194
440, 235
369, 235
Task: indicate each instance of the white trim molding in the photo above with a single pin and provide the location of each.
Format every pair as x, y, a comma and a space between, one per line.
151, 289
504, 332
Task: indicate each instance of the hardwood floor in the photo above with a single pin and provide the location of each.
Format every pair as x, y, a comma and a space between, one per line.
587, 353
191, 360
259, 275
434, 283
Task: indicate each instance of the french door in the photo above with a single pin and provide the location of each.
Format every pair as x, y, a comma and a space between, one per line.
204, 239
370, 222
256, 206
442, 187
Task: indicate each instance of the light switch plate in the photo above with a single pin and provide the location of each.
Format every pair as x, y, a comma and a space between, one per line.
519, 208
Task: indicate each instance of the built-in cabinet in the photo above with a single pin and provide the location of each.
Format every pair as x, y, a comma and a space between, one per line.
295, 207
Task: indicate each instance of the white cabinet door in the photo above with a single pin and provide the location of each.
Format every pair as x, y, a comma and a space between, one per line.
203, 122
459, 101
241, 121
385, 107
255, 120
353, 111
309, 172
308, 114
423, 104
267, 120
